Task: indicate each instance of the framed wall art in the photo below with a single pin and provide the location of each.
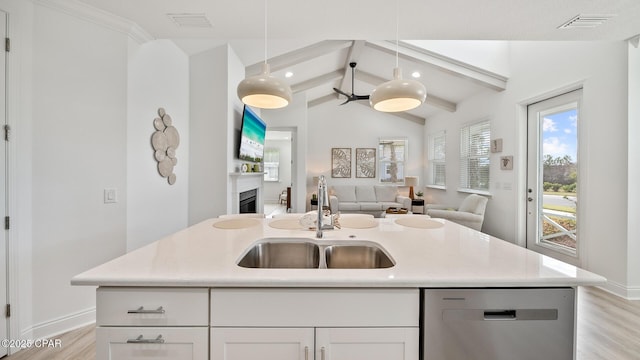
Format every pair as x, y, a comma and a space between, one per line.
506, 162
366, 163
340, 162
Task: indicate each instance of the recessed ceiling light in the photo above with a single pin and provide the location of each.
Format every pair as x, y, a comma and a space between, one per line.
288, 74
415, 74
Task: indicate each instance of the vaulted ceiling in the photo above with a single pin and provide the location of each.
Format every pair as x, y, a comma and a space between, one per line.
298, 33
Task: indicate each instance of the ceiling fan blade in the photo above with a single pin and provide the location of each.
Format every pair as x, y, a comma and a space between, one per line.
341, 92
362, 97
348, 100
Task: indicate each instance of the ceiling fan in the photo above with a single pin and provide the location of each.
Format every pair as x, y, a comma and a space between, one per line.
353, 96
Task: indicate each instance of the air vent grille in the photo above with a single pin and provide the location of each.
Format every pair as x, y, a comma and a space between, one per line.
585, 21
190, 20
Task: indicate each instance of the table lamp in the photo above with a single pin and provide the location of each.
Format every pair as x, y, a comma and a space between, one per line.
411, 181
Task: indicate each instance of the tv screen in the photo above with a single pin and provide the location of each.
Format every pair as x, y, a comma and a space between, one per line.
251, 136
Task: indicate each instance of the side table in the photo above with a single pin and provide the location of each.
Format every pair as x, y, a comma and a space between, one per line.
417, 206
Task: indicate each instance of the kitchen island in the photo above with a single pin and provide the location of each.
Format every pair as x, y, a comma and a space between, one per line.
186, 295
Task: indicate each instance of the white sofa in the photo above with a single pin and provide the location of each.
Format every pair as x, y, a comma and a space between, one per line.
470, 213
368, 199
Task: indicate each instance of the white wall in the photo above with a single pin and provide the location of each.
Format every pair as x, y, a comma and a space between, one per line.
215, 112
634, 174
79, 148
273, 189
358, 126
539, 68
158, 76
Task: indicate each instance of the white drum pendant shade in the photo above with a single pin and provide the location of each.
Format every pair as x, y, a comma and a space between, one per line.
264, 91
398, 94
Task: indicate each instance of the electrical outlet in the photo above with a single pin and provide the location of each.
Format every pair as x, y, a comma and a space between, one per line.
110, 196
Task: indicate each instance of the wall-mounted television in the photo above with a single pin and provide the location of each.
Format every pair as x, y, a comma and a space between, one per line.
251, 136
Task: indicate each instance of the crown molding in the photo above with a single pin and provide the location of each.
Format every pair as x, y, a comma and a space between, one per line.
99, 17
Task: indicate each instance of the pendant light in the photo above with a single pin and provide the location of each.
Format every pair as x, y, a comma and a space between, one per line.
398, 94
264, 91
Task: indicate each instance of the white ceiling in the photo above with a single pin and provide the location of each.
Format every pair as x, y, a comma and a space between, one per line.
298, 30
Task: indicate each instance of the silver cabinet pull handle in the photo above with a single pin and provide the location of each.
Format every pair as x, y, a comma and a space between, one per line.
306, 353
322, 353
141, 310
142, 340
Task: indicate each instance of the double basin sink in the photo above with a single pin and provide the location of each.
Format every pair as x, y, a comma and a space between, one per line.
303, 253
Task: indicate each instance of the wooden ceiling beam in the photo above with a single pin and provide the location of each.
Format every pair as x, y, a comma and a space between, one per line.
316, 81
298, 56
443, 63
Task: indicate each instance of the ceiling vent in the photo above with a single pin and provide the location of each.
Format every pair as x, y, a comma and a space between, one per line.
585, 21
190, 20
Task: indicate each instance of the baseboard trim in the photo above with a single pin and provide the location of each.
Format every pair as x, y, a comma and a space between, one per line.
633, 293
625, 292
51, 328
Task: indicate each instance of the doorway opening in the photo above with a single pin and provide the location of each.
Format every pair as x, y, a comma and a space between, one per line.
278, 172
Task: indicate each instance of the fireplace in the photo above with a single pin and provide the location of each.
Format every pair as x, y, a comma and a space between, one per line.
245, 182
248, 201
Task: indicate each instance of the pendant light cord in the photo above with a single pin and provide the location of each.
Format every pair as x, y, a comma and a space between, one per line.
397, 28
265, 31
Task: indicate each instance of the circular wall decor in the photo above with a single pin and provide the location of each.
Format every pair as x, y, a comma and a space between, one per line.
165, 141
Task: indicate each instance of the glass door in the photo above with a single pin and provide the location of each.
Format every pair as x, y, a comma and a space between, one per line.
552, 179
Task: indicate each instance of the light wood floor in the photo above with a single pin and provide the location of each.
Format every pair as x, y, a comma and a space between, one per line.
608, 328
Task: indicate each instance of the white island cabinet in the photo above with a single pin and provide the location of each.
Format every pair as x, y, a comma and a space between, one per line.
152, 323
186, 297
314, 324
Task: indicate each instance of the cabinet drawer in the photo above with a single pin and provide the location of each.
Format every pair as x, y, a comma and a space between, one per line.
152, 306
134, 343
300, 307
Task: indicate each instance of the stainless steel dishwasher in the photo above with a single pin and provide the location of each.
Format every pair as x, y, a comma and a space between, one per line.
497, 324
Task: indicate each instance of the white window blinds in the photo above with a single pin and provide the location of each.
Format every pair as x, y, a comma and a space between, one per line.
474, 156
437, 158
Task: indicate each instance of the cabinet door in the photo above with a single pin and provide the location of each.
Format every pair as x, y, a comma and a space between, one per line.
367, 343
262, 343
130, 343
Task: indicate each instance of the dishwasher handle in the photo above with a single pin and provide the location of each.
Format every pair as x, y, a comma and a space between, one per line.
500, 315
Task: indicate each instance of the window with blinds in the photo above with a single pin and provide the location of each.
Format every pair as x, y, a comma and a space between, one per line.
392, 155
437, 158
474, 156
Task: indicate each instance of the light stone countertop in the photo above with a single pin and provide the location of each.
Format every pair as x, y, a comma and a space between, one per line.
450, 255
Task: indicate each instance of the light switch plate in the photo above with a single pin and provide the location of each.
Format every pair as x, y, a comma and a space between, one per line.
110, 195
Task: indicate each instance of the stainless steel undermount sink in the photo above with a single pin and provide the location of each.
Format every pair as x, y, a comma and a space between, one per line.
291, 253
356, 257
302, 253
